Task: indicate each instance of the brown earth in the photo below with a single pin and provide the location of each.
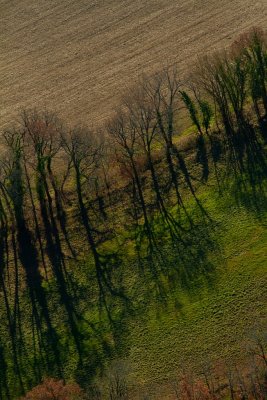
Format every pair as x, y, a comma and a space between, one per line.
77, 57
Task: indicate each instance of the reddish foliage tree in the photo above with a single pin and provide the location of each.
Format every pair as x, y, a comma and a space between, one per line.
52, 389
191, 389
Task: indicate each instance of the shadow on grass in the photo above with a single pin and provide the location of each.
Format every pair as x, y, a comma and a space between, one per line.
178, 260
249, 183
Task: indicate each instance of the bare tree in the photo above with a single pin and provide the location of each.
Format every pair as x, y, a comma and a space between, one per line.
43, 132
117, 377
254, 45
124, 134
163, 89
209, 79
43, 141
144, 119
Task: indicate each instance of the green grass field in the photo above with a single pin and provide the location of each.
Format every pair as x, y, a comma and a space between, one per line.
214, 318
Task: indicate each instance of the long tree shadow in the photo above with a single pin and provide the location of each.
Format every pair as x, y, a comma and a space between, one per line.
188, 260
4, 389
40, 310
188, 180
202, 158
181, 262
250, 182
55, 255
107, 266
263, 128
10, 321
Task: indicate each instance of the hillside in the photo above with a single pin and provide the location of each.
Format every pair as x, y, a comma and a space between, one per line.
133, 257
187, 308
77, 57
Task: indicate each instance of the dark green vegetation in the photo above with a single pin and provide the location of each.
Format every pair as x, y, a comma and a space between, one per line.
137, 243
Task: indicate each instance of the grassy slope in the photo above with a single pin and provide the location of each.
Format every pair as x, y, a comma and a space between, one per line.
204, 312
213, 318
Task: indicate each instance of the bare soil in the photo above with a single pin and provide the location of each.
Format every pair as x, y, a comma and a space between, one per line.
78, 57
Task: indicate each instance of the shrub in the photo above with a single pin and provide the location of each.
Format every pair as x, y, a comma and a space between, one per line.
52, 389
